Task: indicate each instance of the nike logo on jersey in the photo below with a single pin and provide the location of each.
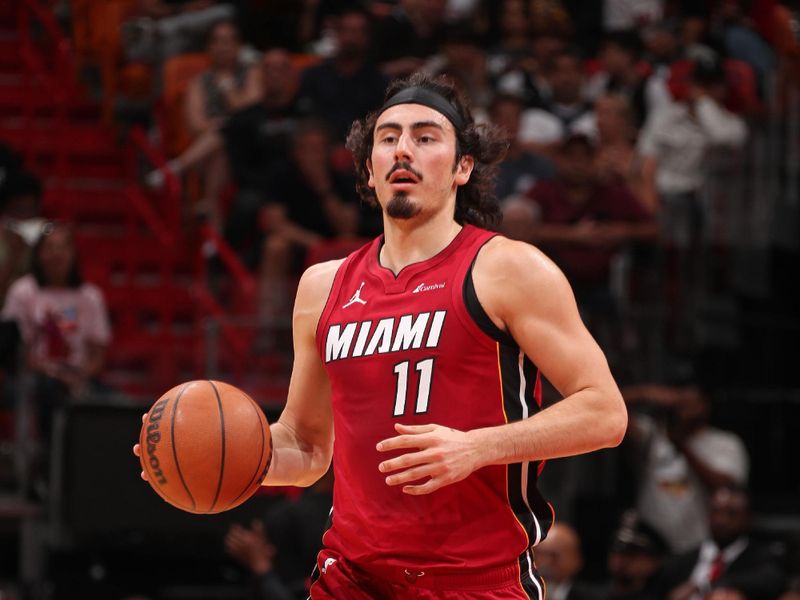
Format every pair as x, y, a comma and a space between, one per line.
422, 287
352, 340
356, 299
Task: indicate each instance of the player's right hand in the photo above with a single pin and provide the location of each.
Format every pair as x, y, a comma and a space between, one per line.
137, 449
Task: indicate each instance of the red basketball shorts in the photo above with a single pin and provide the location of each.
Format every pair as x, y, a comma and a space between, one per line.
335, 578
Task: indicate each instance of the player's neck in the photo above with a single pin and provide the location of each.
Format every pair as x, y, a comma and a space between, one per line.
409, 242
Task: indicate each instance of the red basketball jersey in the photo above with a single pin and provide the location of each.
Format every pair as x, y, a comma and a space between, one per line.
417, 349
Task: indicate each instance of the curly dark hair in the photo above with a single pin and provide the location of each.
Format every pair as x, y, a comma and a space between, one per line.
476, 202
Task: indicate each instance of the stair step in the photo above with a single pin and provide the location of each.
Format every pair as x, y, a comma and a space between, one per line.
86, 205
18, 94
77, 170
74, 140
89, 185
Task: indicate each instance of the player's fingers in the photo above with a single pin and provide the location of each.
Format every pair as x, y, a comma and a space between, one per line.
144, 417
400, 428
137, 449
429, 486
405, 461
143, 475
415, 474
402, 441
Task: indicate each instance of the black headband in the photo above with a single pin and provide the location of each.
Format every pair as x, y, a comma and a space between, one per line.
429, 98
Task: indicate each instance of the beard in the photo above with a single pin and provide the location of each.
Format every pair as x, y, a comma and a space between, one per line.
400, 207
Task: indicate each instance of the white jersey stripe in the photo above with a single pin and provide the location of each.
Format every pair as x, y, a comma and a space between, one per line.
526, 465
533, 578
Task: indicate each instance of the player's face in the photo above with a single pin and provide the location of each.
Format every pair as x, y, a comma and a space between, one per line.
413, 166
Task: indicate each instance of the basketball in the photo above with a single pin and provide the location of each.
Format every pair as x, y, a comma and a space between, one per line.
205, 446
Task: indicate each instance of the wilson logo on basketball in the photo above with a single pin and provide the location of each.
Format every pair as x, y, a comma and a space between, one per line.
154, 436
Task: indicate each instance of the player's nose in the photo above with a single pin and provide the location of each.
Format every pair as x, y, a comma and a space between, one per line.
402, 150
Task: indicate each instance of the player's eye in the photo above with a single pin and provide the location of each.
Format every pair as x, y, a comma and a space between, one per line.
389, 139
425, 139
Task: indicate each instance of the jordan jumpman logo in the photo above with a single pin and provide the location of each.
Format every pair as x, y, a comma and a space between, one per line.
356, 297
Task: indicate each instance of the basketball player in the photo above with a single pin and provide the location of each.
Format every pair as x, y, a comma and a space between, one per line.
422, 351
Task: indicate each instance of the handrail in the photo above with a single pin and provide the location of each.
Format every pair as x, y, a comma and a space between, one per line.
140, 204
243, 277
172, 184
171, 194
237, 342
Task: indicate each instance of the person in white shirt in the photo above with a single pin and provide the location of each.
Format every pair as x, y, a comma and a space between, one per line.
681, 459
545, 128
675, 144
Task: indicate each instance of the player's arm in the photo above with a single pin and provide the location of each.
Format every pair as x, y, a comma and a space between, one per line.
303, 435
524, 293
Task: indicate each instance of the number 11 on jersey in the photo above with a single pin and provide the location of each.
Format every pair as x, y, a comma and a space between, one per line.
425, 369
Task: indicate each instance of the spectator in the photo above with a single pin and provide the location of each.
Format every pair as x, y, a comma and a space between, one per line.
308, 202
528, 77
20, 226
281, 553
726, 560
581, 221
410, 35
680, 458
548, 126
256, 138
634, 559
693, 34
513, 49
520, 169
63, 321
559, 560
464, 61
348, 85
741, 40
227, 86
624, 15
621, 72
674, 145
165, 28
617, 159
663, 52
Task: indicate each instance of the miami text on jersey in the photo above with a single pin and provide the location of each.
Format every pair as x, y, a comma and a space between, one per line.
363, 338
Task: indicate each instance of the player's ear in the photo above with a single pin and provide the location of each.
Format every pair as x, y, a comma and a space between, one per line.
371, 180
464, 169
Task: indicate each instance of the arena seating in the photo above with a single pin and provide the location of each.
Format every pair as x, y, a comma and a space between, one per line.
132, 242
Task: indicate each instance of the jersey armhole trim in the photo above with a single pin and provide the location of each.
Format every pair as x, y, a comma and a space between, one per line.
478, 314
333, 293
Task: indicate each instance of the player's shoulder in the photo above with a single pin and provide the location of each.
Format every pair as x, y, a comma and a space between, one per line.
513, 277
312, 295
318, 278
513, 260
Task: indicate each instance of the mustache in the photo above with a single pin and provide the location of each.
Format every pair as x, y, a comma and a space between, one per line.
405, 167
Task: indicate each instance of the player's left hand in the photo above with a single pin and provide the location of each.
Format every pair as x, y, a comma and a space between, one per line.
443, 456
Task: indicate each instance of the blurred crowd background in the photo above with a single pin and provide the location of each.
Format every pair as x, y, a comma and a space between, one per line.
169, 167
